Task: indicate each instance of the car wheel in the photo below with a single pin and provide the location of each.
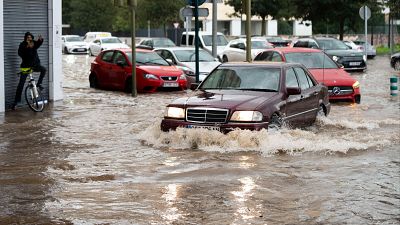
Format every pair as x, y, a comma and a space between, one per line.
128, 85
90, 52
397, 65
224, 59
66, 50
321, 111
275, 122
93, 81
357, 99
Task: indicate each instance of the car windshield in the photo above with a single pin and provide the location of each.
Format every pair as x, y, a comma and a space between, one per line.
221, 40
311, 60
243, 78
190, 56
259, 45
73, 39
110, 40
332, 44
148, 58
163, 42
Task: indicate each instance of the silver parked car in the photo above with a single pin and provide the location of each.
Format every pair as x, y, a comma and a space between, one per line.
371, 51
185, 58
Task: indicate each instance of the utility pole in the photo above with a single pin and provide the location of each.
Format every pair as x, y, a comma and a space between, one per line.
214, 29
248, 30
133, 4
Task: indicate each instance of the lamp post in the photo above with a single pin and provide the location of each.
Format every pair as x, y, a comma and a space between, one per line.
133, 4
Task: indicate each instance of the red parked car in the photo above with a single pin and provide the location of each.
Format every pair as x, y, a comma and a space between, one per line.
251, 96
340, 84
112, 70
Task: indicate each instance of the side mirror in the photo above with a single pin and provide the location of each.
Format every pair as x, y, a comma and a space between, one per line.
194, 86
170, 61
293, 90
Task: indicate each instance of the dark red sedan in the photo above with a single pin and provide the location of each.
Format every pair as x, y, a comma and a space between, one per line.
250, 96
340, 84
112, 69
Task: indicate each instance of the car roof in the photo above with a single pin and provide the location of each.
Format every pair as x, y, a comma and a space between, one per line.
70, 35
260, 64
290, 49
126, 50
177, 48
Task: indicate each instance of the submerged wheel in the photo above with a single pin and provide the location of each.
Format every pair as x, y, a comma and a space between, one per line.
66, 50
321, 111
35, 100
275, 122
397, 65
128, 85
224, 59
93, 80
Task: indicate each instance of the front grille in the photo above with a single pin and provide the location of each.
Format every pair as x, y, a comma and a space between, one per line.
169, 78
340, 90
353, 58
206, 115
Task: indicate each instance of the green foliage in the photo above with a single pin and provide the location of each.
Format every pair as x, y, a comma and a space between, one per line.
383, 50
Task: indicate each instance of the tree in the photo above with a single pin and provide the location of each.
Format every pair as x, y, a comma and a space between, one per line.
324, 11
92, 15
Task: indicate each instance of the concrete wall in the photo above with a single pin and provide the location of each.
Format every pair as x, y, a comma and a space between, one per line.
55, 51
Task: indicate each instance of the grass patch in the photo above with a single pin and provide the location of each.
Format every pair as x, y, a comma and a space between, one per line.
381, 50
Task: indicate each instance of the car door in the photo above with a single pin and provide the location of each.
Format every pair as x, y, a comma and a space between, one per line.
309, 96
118, 70
240, 52
293, 102
105, 68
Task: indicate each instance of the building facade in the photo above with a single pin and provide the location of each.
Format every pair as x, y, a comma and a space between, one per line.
40, 17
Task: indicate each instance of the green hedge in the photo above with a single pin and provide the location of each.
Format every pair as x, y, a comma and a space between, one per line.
381, 50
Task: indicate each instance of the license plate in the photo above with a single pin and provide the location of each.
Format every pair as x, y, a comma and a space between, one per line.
204, 127
170, 84
81, 49
354, 63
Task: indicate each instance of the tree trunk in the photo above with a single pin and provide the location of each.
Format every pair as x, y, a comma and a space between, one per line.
341, 29
263, 32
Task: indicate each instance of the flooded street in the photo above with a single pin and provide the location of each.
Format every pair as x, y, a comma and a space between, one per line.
99, 157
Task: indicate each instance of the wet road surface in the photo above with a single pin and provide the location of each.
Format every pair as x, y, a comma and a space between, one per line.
98, 157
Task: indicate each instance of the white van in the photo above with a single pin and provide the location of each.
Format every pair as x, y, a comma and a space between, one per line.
205, 39
91, 36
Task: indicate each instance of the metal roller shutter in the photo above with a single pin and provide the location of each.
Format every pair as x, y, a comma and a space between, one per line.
21, 16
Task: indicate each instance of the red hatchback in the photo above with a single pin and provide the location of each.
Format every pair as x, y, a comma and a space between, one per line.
112, 69
340, 84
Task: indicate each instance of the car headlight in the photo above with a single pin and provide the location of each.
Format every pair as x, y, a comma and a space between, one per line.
364, 58
356, 85
335, 58
247, 116
187, 70
150, 76
175, 112
182, 77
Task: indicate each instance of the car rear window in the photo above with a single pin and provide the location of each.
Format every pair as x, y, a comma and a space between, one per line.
311, 60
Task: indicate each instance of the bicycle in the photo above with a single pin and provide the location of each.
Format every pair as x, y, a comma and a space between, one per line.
33, 95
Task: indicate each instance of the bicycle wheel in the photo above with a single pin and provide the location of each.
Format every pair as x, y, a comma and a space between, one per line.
36, 103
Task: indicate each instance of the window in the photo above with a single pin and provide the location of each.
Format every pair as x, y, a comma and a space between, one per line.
265, 56
291, 80
276, 57
301, 74
119, 57
107, 56
312, 44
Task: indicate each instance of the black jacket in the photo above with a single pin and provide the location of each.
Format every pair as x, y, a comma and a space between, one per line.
30, 57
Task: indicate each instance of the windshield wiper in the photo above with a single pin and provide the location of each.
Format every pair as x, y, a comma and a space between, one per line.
257, 89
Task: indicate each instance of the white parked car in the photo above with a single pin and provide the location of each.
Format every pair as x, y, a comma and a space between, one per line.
73, 44
105, 43
236, 49
205, 40
185, 58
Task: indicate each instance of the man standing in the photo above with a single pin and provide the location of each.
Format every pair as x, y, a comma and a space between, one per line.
30, 59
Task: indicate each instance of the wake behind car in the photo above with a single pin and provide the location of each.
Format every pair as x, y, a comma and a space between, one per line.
336, 49
341, 85
112, 69
251, 96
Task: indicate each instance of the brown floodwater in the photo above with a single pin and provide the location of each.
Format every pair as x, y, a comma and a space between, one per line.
99, 157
